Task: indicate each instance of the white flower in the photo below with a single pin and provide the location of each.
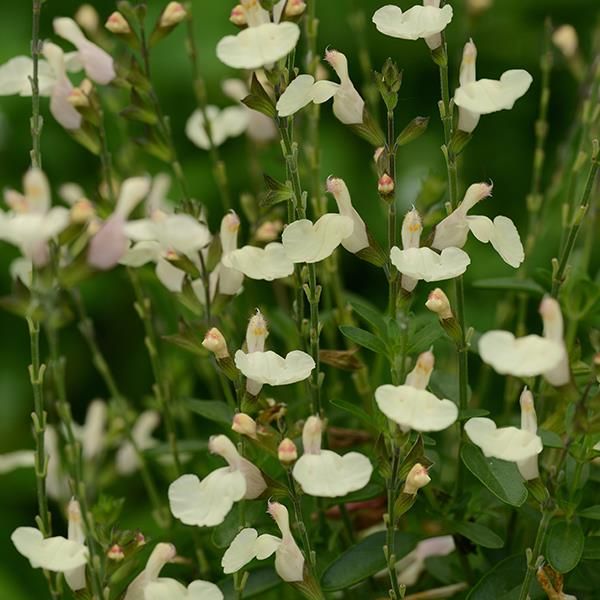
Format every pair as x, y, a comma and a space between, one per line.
75, 578
528, 356
247, 545
302, 91
244, 425
307, 242
98, 64
19, 459
528, 467
359, 240
206, 503
110, 243
438, 303
411, 566
230, 280
55, 554
127, 461
256, 335
268, 263
163, 236
424, 263
170, 589
32, 223
485, 96
260, 128
425, 22
506, 443
348, 105
271, 369
553, 331
323, 472
161, 555
411, 406
501, 232
15, 74
257, 47
225, 123
411, 238
157, 196
92, 435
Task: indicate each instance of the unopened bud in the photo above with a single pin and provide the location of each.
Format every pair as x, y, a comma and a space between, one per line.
269, 231
438, 303
116, 553
238, 16
173, 14
244, 425
78, 99
565, 39
215, 342
140, 539
287, 451
294, 8
87, 18
416, 479
82, 211
117, 24
385, 185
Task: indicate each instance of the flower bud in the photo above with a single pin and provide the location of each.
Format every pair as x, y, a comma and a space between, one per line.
553, 330
257, 333
416, 479
268, 231
244, 425
115, 553
117, 24
287, 451
420, 375
215, 342
87, 18
78, 98
565, 39
438, 303
238, 16
385, 185
140, 539
173, 14
294, 8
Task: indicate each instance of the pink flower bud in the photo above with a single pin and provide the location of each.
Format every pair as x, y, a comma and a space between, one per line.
294, 8
385, 185
244, 425
215, 342
117, 24
438, 303
269, 231
287, 451
78, 98
173, 14
115, 553
82, 211
416, 479
238, 16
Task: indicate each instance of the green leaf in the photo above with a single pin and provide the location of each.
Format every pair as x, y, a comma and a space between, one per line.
259, 582
423, 338
564, 546
369, 314
500, 477
222, 535
364, 338
355, 410
276, 192
259, 100
510, 284
550, 439
479, 534
363, 560
503, 581
591, 512
472, 413
213, 410
591, 549
415, 129
370, 491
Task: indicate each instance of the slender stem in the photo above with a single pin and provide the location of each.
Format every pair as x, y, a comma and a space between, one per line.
558, 277
36, 120
300, 524
393, 275
162, 388
390, 519
218, 165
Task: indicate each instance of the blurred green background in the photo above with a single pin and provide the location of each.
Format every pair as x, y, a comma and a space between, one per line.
509, 35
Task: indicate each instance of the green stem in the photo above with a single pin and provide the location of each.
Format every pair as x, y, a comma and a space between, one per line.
36, 120
392, 225
300, 523
390, 540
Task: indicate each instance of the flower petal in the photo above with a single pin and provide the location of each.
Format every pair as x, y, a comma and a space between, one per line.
424, 263
141, 254
16, 460
307, 242
266, 264
206, 503
296, 96
203, 590
240, 552
415, 409
417, 22
271, 369
257, 47
506, 443
490, 95
528, 356
330, 475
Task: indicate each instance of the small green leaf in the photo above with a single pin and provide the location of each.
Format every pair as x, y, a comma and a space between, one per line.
259, 100
564, 546
355, 410
479, 534
415, 129
591, 512
550, 439
510, 284
424, 337
472, 413
364, 338
213, 410
500, 477
372, 316
276, 192
363, 560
